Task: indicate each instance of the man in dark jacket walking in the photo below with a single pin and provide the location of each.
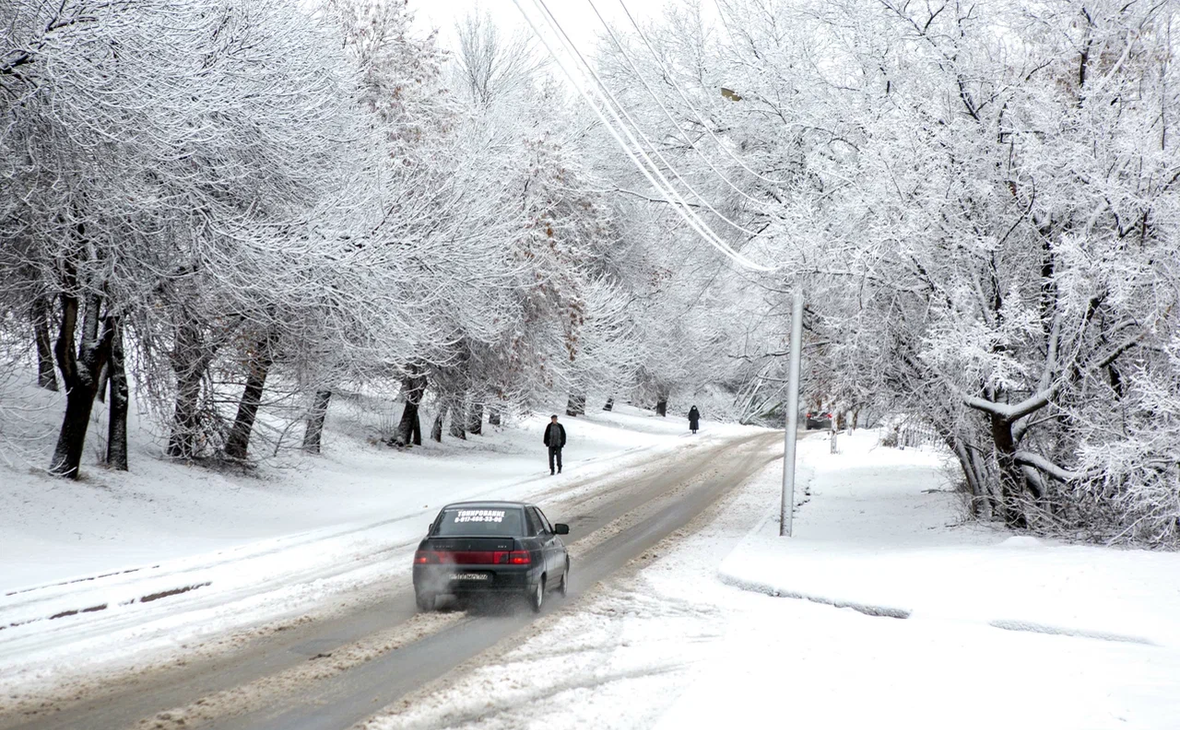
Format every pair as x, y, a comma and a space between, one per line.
694, 419
555, 440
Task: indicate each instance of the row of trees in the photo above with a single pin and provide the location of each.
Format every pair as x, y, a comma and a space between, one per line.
224, 204
980, 201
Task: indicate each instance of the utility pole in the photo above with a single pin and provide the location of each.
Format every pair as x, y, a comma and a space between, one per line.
789, 438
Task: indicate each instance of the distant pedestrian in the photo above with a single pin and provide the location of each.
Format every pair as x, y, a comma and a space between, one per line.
555, 440
694, 419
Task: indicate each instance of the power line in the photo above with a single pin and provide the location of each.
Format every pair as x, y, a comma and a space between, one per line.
649, 170
700, 118
609, 98
651, 92
681, 206
655, 148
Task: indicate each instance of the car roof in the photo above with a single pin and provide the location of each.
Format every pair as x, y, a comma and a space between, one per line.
487, 504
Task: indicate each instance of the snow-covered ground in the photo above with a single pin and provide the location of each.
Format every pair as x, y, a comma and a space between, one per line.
880, 533
682, 642
85, 566
56, 530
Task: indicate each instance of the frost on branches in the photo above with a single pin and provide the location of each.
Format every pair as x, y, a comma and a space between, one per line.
981, 203
228, 212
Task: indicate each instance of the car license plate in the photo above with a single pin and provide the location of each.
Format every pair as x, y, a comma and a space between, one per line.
471, 576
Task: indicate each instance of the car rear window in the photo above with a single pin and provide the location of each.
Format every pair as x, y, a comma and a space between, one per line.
482, 521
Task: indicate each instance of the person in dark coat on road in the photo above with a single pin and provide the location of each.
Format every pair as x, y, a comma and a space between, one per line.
694, 419
555, 440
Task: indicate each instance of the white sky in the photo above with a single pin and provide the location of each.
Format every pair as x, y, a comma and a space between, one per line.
576, 16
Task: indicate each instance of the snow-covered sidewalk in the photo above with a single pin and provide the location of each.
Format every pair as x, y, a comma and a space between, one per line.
878, 533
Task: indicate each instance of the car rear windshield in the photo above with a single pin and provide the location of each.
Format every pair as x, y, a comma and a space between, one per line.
472, 522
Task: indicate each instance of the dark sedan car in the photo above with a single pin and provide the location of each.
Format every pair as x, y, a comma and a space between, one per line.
491, 547
818, 420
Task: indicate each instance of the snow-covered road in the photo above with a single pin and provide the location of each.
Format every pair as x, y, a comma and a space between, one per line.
262, 669
122, 572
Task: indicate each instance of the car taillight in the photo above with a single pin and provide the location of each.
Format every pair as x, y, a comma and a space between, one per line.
423, 557
515, 557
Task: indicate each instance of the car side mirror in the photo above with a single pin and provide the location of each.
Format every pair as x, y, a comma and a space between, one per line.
561, 529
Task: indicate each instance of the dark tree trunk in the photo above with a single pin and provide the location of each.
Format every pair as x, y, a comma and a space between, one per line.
117, 383
493, 416
238, 442
104, 377
41, 315
314, 432
1012, 482
190, 360
409, 431
475, 419
610, 404
662, 406
436, 430
79, 373
575, 405
71, 440
458, 419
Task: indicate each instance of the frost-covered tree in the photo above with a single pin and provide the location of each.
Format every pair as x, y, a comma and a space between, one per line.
992, 192
171, 161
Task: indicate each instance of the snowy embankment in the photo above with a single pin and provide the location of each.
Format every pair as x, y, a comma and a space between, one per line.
170, 557
879, 533
675, 645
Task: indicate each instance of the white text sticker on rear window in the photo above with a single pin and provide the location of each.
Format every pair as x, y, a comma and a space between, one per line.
479, 515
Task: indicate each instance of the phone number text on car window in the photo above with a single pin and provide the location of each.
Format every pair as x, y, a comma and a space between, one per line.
479, 515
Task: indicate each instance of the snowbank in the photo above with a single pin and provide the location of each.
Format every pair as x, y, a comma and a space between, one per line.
880, 532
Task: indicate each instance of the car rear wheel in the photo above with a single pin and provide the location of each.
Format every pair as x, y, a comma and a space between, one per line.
425, 601
564, 587
537, 598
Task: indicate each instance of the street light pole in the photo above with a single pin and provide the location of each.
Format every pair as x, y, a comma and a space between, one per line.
789, 438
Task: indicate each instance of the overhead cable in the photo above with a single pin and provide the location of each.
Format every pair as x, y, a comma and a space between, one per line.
700, 118
634, 150
651, 92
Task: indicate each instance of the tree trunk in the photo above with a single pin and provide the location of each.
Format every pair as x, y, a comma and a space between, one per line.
238, 442
662, 406
71, 440
436, 430
314, 432
41, 315
493, 416
104, 377
190, 360
834, 421
458, 419
1011, 477
610, 404
117, 383
475, 419
575, 405
79, 373
409, 430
